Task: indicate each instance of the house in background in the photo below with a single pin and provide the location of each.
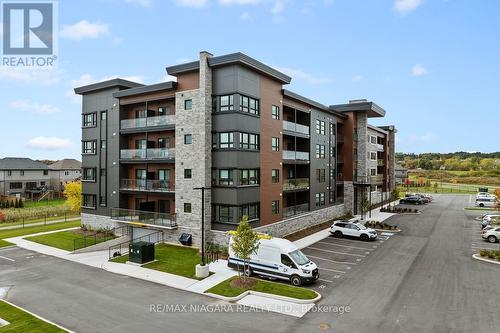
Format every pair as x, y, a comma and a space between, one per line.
400, 173
64, 171
20, 176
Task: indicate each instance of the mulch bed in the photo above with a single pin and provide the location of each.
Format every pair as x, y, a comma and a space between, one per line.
241, 282
309, 231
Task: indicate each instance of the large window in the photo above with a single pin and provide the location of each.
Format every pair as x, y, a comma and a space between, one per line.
275, 207
320, 151
275, 112
249, 141
249, 177
320, 199
225, 177
275, 144
372, 155
15, 185
225, 140
89, 147
226, 103
320, 127
89, 119
320, 175
373, 139
250, 210
249, 104
275, 176
89, 200
225, 214
88, 174
373, 172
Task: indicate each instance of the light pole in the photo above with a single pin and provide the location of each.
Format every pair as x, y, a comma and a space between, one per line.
203, 188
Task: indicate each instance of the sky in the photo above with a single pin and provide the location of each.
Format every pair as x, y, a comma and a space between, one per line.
433, 65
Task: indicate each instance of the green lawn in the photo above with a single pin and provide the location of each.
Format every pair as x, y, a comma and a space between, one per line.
21, 321
172, 259
224, 289
4, 243
42, 228
65, 240
54, 202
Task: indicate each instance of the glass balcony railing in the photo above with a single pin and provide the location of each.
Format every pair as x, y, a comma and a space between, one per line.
147, 185
137, 216
147, 122
295, 184
295, 155
294, 127
295, 210
148, 154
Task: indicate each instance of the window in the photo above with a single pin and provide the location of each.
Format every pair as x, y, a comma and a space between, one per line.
102, 200
187, 174
275, 176
373, 139
89, 200
373, 172
16, 185
88, 174
249, 177
21, 172
332, 128
275, 144
225, 177
162, 111
104, 115
226, 103
45, 172
285, 260
332, 151
372, 155
89, 147
89, 119
320, 127
332, 196
141, 144
188, 139
188, 104
249, 104
225, 140
275, 207
249, 141
9, 173
250, 210
187, 207
320, 151
225, 214
320, 199
103, 172
320, 175
275, 112
103, 144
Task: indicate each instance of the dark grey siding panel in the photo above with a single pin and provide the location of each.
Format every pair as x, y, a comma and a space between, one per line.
223, 122
235, 79
235, 195
236, 159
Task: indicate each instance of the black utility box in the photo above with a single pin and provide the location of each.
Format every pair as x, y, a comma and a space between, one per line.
141, 252
186, 239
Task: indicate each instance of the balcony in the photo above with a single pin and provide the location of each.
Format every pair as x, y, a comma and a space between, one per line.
369, 179
379, 147
150, 154
295, 155
295, 210
296, 128
380, 162
141, 123
296, 184
137, 217
146, 185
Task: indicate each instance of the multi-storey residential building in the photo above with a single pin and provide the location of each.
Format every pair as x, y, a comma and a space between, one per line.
227, 125
22, 176
64, 171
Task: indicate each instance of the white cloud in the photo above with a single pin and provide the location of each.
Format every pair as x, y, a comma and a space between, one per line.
298, 74
406, 6
44, 76
84, 29
28, 105
191, 3
142, 3
418, 70
48, 143
278, 7
356, 78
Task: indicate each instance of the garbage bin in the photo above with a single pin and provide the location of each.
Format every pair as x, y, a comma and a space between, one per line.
186, 239
141, 252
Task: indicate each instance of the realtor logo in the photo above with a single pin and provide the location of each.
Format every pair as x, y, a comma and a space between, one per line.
29, 33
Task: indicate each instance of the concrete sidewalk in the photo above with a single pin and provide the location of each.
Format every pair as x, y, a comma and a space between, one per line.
19, 226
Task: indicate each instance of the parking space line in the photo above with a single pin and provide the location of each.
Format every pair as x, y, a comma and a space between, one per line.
9, 259
352, 247
329, 251
325, 280
335, 262
332, 270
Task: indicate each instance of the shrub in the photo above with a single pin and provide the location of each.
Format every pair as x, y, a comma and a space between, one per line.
483, 253
2, 216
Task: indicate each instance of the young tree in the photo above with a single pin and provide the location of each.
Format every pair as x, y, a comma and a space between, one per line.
435, 187
245, 242
21, 203
364, 205
16, 204
394, 194
73, 194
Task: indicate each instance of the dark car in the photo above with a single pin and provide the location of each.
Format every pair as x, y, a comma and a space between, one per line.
415, 200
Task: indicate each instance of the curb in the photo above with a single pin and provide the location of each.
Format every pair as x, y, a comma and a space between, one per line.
386, 230
272, 296
38, 317
491, 261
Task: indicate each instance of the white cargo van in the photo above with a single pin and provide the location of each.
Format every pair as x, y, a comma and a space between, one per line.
277, 258
486, 201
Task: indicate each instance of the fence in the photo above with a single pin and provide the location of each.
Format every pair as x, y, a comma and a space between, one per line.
438, 187
99, 237
123, 248
41, 219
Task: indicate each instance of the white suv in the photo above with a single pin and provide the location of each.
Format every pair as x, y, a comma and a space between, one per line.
492, 235
347, 228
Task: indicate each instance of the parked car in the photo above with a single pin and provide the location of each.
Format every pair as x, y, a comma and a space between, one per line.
492, 235
277, 258
486, 201
488, 219
416, 200
348, 228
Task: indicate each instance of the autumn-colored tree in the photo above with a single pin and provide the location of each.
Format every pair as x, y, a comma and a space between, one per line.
73, 194
421, 181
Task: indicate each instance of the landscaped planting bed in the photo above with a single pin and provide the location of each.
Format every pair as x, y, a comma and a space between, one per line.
490, 254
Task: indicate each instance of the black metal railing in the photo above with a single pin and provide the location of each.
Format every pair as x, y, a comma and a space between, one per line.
138, 216
121, 249
153, 185
100, 236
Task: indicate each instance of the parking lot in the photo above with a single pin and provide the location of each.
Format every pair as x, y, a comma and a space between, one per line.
477, 242
337, 257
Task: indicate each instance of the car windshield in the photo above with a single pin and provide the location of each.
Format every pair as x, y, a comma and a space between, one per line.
299, 257
362, 227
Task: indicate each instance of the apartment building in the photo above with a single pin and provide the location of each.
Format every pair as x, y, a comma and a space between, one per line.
227, 124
